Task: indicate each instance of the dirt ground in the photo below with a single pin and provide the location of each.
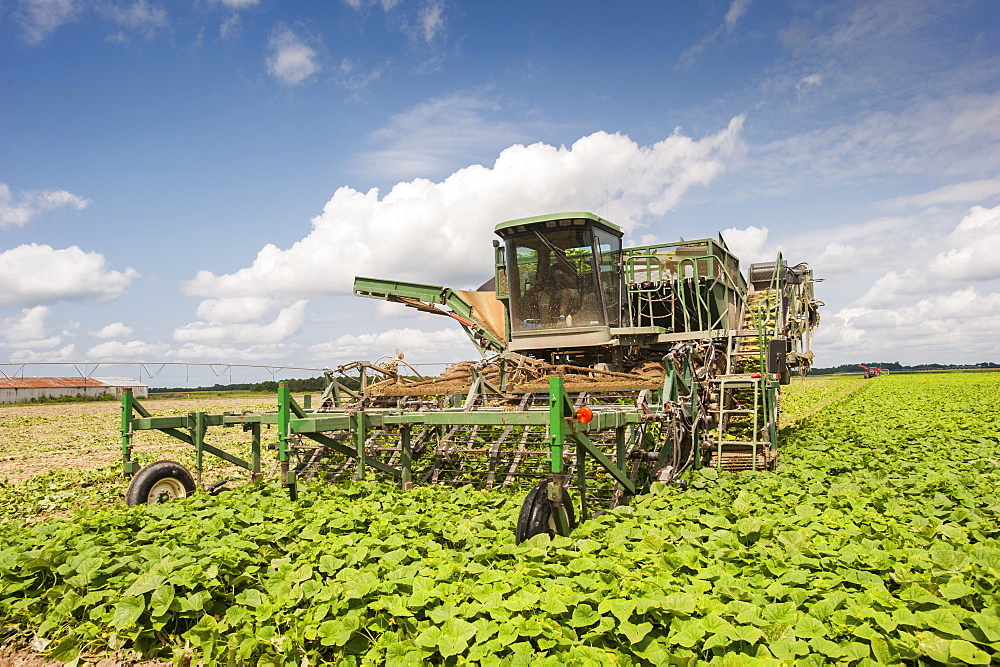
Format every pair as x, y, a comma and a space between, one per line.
37, 438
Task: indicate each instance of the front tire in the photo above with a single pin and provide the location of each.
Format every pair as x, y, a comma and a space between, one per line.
158, 483
536, 513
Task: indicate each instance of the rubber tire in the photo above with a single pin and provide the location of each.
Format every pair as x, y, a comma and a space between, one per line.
536, 512
162, 474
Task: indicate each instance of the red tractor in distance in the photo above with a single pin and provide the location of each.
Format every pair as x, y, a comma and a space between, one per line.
873, 371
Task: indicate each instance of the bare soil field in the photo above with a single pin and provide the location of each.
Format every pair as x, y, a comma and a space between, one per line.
35, 439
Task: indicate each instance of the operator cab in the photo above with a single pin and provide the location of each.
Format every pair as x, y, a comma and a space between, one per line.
562, 280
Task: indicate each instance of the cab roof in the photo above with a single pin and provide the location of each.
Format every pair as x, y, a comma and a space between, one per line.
575, 218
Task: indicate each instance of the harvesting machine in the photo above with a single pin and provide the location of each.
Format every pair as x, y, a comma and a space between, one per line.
605, 370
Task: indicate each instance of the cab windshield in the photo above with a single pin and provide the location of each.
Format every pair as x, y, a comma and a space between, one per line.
562, 278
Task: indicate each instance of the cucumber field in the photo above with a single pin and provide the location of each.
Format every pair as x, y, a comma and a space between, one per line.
876, 541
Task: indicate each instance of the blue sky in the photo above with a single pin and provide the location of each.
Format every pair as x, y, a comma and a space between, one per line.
200, 181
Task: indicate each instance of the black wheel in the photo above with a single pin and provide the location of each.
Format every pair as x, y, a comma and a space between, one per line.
159, 482
536, 513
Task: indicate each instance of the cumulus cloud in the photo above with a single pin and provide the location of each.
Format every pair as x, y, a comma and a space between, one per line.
290, 59
39, 274
113, 330
133, 350
976, 251
963, 324
441, 231
748, 244
266, 352
235, 311
65, 353
288, 321
18, 211
921, 306
27, 331
420, 346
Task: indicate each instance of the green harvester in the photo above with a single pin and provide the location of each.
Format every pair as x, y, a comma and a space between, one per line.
604, 370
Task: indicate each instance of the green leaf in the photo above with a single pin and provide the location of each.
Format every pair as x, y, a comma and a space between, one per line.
635, 632
964, 651
784, 649
584, 615
127, 612
933, 646
827, 647
942, 620
881, 651
621, 609
159, 601
989, 625
808, 627
857, 651
956, 589
338, 632
746, 633
688, 633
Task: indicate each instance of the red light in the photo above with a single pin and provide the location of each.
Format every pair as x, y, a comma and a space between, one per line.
584, 415
755, 375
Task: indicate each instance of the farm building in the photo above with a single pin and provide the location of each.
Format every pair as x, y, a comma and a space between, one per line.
21, 389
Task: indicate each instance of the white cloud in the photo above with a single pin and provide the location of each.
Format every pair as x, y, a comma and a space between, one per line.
351, 76
237, 4
267, 352
236, 310
735, 12
420, 346
966, 191
39, 274
39, 18
430, 21
976, 255
962, 326
431, 137
290, 59
288, 321
18, 211
27, 331
133, 350
429, 232
811, 80
65, 353
953, 137
113, 330
748, 244
138, 16
921, 306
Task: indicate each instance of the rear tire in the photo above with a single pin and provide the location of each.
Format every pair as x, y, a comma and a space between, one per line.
536, 513
159, 482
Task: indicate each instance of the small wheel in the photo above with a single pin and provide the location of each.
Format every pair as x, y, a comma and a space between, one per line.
159, 482
536, 513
